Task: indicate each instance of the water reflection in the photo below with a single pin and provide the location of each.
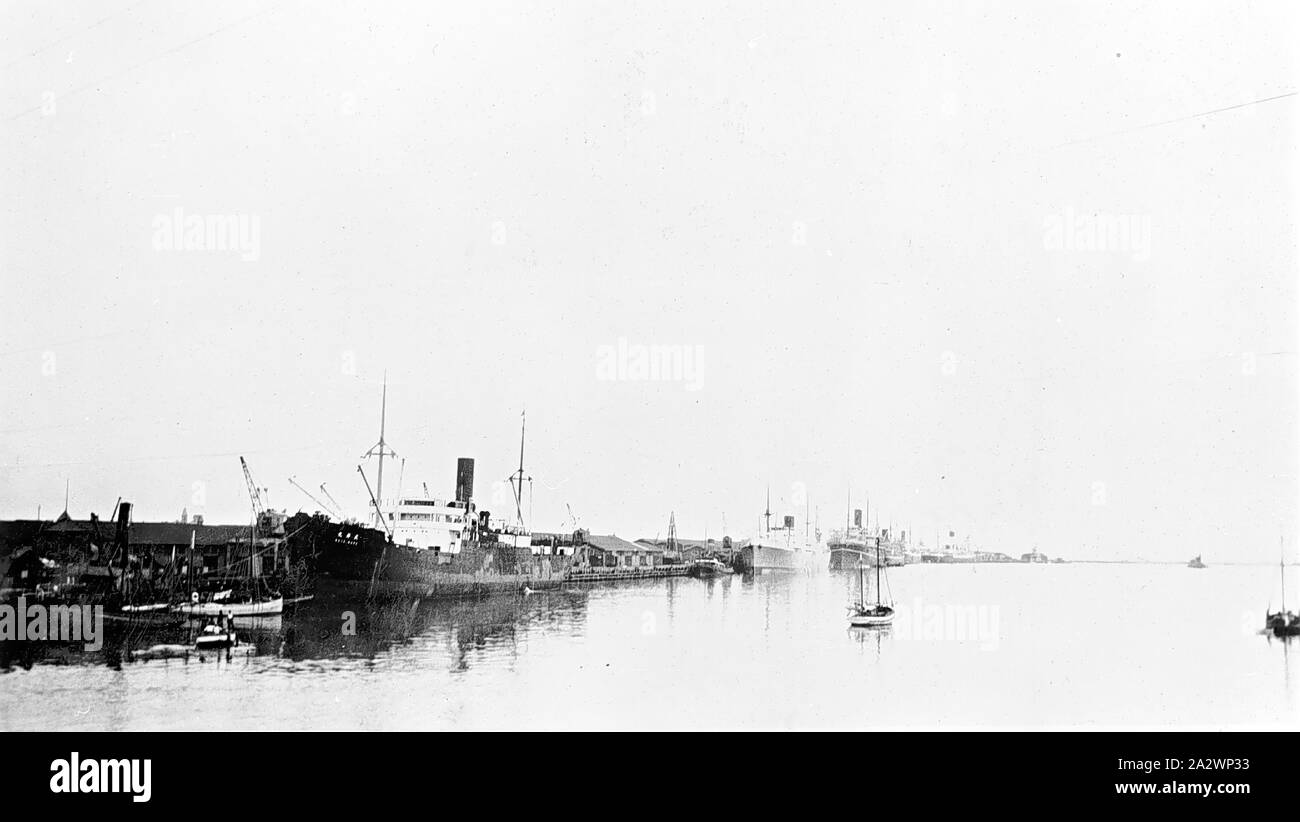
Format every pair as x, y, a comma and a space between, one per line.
742, 651
870, 637
325, 628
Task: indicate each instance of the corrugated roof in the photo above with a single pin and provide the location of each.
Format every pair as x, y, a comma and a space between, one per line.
714, 544
178, 533
613, 543
142, 533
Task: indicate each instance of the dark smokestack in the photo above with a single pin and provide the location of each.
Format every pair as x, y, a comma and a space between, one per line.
857, 517
464, 479
789, 522
122, 537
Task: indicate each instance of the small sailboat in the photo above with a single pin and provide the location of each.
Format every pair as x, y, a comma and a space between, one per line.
253, 606
1282, 623
870, 615
147, 607
249, 597
1196, 562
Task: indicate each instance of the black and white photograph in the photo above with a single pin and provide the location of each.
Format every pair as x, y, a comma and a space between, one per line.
623, 366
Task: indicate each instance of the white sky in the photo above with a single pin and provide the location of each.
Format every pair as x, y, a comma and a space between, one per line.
477, 197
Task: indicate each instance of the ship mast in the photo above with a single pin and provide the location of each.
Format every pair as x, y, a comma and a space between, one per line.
381, 450
848, 513
519, 475
767, 511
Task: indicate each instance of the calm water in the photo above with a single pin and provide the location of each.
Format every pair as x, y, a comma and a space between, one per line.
1037, 646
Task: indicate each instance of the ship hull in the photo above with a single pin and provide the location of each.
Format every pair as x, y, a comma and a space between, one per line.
352, 556
770, 559
849, 558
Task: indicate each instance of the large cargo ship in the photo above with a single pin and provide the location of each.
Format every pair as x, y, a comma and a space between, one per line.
851, 550
783, 548
349, 552
426, 546
853, 547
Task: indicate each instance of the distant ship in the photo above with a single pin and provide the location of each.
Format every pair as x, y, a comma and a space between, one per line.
783, 548
1196, 562
853, 547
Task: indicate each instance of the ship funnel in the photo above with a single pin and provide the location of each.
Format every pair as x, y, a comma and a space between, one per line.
789, 522
464, 479
123, 534
857, 517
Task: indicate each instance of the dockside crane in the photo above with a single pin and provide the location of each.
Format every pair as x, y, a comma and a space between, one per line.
259, 517
312, 497
259, 509
330, 497
383, 523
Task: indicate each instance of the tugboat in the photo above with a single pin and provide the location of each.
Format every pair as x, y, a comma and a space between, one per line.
874, 615
1196, 562
707, 568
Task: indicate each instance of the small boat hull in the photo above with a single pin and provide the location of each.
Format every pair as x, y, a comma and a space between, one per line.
708, 570
872, 618
269, 607
1282, 624
209, 641
143, 609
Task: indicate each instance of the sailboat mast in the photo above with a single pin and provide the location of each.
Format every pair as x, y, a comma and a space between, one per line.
1281, 563
877, 572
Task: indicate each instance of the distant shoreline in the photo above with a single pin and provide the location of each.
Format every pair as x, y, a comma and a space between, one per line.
1169, 562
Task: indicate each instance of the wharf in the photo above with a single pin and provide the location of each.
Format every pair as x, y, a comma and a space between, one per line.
590, 575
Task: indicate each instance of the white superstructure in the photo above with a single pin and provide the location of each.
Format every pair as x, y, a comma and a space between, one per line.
429, 524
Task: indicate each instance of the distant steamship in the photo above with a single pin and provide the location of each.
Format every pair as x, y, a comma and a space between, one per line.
782, 548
